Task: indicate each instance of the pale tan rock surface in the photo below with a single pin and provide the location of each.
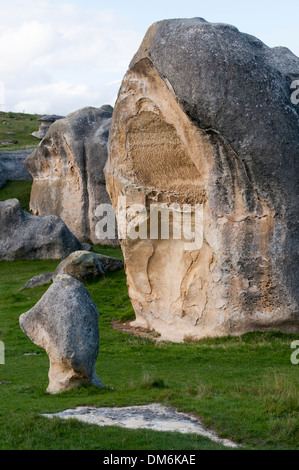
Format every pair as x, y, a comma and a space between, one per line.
197, 122
67, 169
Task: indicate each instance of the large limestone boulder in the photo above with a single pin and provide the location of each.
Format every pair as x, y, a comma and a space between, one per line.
204, 117
26, 236
67, 168
65, 323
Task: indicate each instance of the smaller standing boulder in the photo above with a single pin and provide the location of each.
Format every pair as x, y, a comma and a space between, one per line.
26, 236
65, 324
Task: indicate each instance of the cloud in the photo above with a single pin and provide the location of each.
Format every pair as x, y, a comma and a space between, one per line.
58, 57
22, 45
43, 99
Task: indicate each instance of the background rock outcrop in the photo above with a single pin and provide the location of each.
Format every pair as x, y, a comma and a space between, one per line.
39, 280
26, 236
204, 117
45, 123
83, 265
65, 324
12, 165
67, 169
2, 176
110, 264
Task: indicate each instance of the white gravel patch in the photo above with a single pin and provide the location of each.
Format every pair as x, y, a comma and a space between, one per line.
154, 417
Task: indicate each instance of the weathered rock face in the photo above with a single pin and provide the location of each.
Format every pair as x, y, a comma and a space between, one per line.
67, 169
26, 236
204, 116
65, 323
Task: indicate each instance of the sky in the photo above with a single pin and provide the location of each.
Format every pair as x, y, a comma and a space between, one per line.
57, 56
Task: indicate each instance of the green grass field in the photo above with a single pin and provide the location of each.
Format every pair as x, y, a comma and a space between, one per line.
17, 190
17, 128
245, 388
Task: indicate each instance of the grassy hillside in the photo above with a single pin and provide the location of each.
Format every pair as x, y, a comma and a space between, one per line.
17, 128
